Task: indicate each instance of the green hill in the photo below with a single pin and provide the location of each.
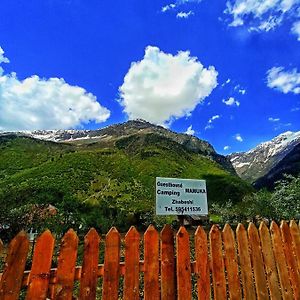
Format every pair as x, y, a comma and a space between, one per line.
100, 185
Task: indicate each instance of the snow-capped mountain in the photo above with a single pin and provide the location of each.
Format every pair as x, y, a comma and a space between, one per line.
257, 162
52, 135
109, 135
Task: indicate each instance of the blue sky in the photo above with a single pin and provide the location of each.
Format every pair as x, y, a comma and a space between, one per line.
227, 71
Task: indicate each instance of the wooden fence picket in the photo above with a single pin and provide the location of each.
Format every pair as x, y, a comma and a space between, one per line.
283, 274
111, 265
66, 266
183, 265
151, 264
132, 258
269, 261
231, 263
257, 263
217, 263
168, 284
245, 263
89, 272
11, 280
202, 264
41, 265
295, 233
290, 258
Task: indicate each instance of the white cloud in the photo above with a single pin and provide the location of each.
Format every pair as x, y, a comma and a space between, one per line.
177, 4
271, 119
280, 126
37, 103
190, 130
210, 121
284, 81
213, 118
3, 59
168, 7
226, 148
152, 89
231, 101
240, 90
271, 23
261, 15
226, 82
238, 137
295, 109
296, 29
184, 15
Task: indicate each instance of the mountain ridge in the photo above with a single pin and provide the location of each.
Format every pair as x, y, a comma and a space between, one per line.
110, 134
259, 161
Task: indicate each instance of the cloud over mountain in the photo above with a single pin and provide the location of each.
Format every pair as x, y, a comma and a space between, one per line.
38, 103
163, 87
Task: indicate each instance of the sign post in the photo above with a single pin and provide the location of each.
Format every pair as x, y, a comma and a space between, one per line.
175, 196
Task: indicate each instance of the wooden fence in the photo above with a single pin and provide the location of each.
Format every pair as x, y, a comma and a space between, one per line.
249, 264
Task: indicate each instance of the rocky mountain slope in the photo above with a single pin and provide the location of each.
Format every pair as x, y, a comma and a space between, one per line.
110, 135
269, 160
290, 164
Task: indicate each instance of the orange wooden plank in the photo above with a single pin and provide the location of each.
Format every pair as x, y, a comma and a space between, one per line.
217, 263
168, 284
295, 233
202, 264
183, 265
290, 258
66, 266
41, 265
283, 275
89, 271
111, 265
257, 263
151, 264
269, 261
245, 263
11, 279
231, 263
132, 257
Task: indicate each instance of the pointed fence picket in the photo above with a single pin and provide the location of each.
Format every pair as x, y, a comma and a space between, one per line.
217, 263
231, 263
202, 264
151, 264
290, 258
269, 261
66, 266
257, 263
246, 264
183, 266
111, 265
283, 274
11, 280
167, 254
41, 265
89, 271
132, 265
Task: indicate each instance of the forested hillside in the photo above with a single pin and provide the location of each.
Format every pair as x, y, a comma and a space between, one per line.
96, 184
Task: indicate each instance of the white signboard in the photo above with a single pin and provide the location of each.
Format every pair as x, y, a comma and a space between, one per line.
176, 196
